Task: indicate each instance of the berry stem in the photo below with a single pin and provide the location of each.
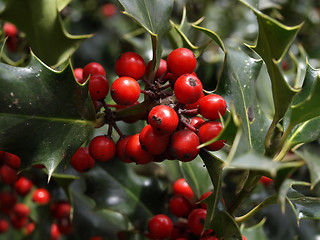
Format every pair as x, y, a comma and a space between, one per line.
185, 123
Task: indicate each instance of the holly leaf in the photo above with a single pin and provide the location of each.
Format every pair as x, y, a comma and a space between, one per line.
237, 86
255, 232
153, 16
310, 153
274, 39
45, 115
303, 207
117, 187
43, 26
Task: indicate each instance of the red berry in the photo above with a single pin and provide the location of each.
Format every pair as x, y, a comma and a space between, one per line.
23, 186
7, 201
181, 61
130, 64
180, 230
265, 180
196, 122
98, 87
125, 91
12, 160
244, 238
102, 148
121, 148
192, 108
160, 227
55, 233
108, 10
210, 106
8, 175
196, 220
21, 210
208, 131
188, 89
163, 119
153, 142
135, 152
29, 228
60, 209
18, 222
160, 71
10, 29
184, 145
41, 196
4, 225
81, 160
179, 206
181, 187
202, 197
78, 74
93, 68
65, 225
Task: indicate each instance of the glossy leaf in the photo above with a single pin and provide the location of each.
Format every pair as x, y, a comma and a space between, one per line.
116, 187
237, 86
45, 32
255, 232
45, 115
153, 16
310, 153
303, 207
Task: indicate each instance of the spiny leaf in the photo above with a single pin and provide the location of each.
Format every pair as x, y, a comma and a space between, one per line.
42, 24
45, 115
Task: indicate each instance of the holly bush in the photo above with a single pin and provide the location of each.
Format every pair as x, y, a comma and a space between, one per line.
260, 57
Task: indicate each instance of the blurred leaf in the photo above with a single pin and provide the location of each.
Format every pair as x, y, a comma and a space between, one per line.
303, 207
196, 174
285, 187
237, 86
116, 187
61, 4
45, 115
42, 24
311, 154
255, 232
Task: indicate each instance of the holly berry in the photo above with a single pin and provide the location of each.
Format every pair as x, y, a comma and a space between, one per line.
7, 201
202, 197
210, 106
188, 89
130, 64
60, 209
266, 181
78, 74
196, 220
8, 175
181, 61
4, 225
160, 71
125, 91
160, 227
135, 152
181, 187
184, 145
12, 160
41, 196
153, 142
10, 29
54, 233
208, 131
121, 148
29, 228
82, 160
21, 210
102, 148
179, 206
98, 87
163, 119
196, 122
93, 68
108, 10
65, 225
23, 186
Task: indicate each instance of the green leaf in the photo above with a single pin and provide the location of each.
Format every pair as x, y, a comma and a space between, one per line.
197, 176
255, 232
42, 24
310, 153
45, 115
116, 187
274, 39
237, 86
153, 16
303, 207
61, 4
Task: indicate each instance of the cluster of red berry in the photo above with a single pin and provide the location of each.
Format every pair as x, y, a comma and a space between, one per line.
189, 212
15, 193
181, 116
